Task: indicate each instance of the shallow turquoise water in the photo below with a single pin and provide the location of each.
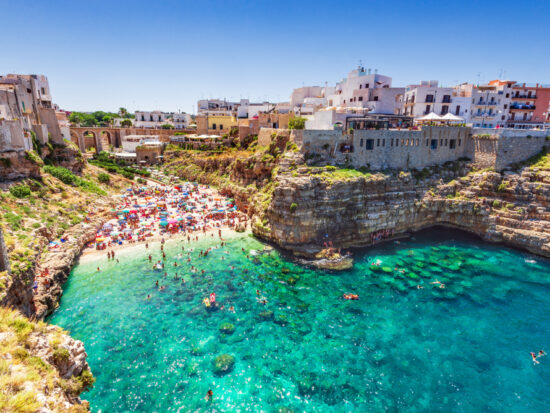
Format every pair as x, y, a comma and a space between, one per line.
464, 348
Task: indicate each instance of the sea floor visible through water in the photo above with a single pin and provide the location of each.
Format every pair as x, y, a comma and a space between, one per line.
462, 348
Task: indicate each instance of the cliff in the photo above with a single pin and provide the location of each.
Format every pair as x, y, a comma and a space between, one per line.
41, 367
353, 208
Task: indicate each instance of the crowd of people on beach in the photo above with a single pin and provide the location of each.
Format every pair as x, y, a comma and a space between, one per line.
150, 212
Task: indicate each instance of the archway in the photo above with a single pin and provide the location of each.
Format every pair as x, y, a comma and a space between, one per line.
106, 140
90, 142
74, 138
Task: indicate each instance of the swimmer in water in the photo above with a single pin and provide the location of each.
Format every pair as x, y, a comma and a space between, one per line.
157, 283
209, 395
541, 353
148, 296
419, 287
534, 357
98, 269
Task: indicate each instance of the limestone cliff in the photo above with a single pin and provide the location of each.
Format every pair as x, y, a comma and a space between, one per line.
41, 367
314, 205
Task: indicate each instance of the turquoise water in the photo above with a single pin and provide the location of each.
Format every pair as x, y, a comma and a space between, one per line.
464, 348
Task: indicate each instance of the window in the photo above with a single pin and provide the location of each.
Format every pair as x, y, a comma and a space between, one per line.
151, 117
433, 144
459, 142
383, 142
457, 111
376, 98
444, 109
426, 142
367, 86
391, 143
143, 118
446, 142
429, 98
44, 91
29, 91
361, 143
378, 142
370, 144
446, 98
418, 142
360, 86
505, 106
507, 95
428, 107
214, 126
452, 144
402, 142
396, 142
360, 98
503, 117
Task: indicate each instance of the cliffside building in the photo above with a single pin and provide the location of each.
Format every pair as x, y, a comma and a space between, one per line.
25, 106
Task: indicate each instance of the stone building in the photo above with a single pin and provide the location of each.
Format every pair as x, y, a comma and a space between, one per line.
417, 149
26, 100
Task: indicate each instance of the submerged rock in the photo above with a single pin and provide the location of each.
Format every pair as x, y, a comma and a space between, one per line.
227, 328
223, 364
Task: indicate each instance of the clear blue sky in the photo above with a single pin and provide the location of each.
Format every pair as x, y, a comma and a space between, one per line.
149, 55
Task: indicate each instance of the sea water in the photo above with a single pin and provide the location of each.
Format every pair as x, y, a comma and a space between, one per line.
462, 348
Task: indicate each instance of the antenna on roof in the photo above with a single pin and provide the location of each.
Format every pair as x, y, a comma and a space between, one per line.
375, 71
369, 71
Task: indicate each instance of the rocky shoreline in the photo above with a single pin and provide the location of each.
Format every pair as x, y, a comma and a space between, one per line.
508, 208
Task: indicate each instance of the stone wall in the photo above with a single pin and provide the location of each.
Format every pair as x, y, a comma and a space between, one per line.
515, 146
417, 149
4, 260
265, 136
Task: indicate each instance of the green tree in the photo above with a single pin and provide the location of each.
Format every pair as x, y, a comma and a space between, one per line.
297, 123
126, 123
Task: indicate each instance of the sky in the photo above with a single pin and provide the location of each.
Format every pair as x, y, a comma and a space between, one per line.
166, 55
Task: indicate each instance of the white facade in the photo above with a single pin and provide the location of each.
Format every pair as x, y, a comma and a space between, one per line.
490, 104
181, 120
154, 119
427, 97
131, 142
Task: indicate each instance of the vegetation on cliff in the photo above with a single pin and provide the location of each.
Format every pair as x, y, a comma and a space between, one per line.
36, 211
33, 360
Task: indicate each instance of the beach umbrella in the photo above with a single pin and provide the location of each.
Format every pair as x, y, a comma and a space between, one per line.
99, 239
114, 233
125, 211
172, 221
163, 223
180, 218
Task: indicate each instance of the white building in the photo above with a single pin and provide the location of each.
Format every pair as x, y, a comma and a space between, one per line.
490, 104
181, 120
154, 119
427, 97
131, 142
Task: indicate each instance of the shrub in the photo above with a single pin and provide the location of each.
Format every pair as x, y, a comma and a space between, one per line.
104, 178
34, 157
63, 174
296, 123
13, 220
141, 181
293, 207
20, 191
61, 355
128, 175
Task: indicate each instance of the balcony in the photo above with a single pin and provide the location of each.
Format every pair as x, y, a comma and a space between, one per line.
519, 97
485, 115
522, 107
483, 103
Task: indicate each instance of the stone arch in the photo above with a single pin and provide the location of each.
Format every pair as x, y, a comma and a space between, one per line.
106, 140
75, 138
90, 140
